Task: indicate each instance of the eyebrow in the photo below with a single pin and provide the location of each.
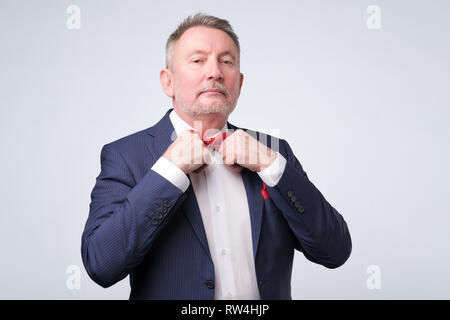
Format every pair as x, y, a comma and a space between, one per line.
220, 55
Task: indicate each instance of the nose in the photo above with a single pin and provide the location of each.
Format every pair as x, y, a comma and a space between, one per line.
214, 71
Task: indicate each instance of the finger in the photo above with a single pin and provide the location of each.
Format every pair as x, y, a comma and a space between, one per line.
228, 151
206, 156
199, 170
236, 168
227, 143
228, 157
222, 147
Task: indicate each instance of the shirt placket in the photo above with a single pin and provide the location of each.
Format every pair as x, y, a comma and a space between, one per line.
220, 224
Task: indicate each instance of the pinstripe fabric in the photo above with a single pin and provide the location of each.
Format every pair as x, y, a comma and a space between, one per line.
142, 225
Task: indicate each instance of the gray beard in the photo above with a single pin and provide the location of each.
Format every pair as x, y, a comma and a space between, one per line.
196, 110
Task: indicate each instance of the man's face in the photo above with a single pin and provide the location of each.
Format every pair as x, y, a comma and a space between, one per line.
205, 59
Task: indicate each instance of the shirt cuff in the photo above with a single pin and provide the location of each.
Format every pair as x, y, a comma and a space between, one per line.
171, 172
272, 174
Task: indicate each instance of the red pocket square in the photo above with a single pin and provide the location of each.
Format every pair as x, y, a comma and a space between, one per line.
264, 192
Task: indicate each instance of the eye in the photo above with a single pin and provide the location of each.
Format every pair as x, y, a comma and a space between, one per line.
227, 62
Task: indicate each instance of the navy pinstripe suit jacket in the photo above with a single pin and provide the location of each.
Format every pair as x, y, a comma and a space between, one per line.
141, 225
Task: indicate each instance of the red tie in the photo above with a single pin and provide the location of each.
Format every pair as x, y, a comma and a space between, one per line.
221, 137
208, 141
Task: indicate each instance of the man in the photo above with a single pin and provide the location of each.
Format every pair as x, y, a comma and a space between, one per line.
190, 219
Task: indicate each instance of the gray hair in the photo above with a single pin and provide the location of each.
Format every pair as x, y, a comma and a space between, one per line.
199, 19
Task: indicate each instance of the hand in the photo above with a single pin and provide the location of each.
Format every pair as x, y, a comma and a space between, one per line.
188, 152
241, 150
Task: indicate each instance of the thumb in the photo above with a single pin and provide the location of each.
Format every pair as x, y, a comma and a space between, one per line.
206, 156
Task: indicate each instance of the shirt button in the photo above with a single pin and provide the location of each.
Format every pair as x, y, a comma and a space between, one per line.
219, 209
230, 295
223, 251
209, 284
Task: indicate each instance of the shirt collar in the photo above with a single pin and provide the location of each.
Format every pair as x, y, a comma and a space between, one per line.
180, 125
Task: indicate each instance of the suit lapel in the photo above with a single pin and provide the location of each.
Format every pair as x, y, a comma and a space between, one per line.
192, 212
163, 132
253, 185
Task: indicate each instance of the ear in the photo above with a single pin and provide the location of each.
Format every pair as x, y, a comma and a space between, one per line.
241, 80
165, 76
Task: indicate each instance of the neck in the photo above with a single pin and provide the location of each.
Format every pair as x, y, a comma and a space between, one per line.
203, 122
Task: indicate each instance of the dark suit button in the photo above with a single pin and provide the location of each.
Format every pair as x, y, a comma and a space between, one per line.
158, 215
301, 209
293, 199
297, 204
289, 193
167, 203
155, 222
164, 210
210, 284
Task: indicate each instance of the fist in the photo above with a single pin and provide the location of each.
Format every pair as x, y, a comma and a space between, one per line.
241, 150
188, 152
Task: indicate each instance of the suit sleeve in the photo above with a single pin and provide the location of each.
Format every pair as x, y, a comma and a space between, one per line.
125, 218
320, 230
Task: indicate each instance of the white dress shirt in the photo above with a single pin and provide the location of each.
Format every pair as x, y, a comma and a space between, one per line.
223, 205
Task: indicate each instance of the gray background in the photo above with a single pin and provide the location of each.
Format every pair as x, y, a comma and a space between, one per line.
365, 111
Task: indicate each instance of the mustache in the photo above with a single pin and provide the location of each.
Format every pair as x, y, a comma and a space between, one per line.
219, 86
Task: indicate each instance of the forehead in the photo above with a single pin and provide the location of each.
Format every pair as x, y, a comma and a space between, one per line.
206, 39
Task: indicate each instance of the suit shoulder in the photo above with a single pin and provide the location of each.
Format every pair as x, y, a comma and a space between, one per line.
130, 141
269, 140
